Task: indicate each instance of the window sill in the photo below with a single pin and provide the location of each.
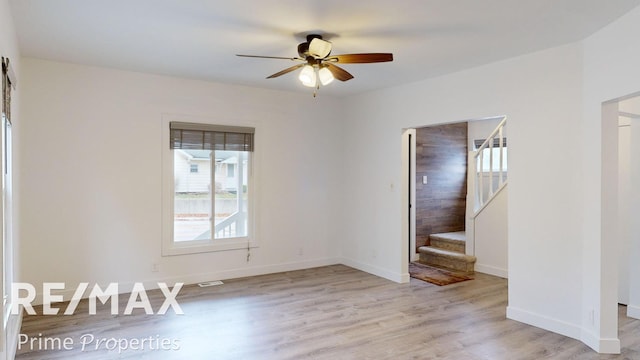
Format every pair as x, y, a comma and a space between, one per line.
197, 247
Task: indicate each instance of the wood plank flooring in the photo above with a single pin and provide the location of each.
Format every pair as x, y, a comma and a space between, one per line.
332, 312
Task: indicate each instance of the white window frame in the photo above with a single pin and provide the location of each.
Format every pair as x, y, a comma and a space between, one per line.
170, 247
7, 213
6, 208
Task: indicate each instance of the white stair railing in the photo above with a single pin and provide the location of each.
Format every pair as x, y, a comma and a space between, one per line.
483, 194
229, 226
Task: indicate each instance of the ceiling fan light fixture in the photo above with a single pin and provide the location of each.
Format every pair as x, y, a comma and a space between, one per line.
325, 75
319, 48
308, 76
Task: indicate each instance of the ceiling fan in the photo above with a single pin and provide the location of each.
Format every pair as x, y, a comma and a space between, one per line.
319, 66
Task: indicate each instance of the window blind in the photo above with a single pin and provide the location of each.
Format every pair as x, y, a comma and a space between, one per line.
8, 82
496, 142
195, 136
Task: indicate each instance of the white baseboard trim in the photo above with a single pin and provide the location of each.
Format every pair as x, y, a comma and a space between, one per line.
377, 271
633, 311
601, 345
13, 333
544, 322
492, 270
152, 284
249, 271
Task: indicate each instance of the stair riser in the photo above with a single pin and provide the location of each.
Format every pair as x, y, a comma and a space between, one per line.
446, 262
448, 245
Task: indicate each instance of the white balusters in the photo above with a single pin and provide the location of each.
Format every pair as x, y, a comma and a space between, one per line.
483, 196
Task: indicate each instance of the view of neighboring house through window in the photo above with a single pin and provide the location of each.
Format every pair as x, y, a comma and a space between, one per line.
211, 187
194, 202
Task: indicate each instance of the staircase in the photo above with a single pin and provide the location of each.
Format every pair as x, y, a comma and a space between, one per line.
447, 251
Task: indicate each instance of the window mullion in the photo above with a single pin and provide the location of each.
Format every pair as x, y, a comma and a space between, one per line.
239, 181
212, 193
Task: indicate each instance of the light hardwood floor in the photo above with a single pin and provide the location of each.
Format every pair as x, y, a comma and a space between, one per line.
331, 312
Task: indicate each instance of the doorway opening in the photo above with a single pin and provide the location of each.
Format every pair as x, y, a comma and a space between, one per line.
625, 113
437, 221
620, 200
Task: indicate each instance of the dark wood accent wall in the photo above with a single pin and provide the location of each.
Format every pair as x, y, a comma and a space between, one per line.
441, 155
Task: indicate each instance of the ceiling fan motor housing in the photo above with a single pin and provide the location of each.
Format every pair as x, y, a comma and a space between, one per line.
303, 50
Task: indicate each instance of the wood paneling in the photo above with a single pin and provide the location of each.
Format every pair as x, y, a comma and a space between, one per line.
332, 312
441, 155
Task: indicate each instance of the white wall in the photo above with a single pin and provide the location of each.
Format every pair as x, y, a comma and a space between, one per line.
491, 236
540, 93
633, 257
9, 48
611, 70
630, 106
624, 208
481, 129
90, 146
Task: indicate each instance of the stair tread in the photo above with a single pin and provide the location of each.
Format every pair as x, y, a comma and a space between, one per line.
447, 258
456, 236
446, 253
451, 270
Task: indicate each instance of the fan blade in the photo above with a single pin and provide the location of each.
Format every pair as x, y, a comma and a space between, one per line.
361, 58
338, 72
285, 71
270, 57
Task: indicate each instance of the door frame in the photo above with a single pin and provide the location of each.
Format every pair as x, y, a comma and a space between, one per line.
409, 195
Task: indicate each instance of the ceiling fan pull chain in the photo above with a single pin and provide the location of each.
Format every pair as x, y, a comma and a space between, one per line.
315, 91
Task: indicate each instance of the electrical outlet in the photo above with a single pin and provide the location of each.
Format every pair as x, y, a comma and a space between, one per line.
300, 251
155, 267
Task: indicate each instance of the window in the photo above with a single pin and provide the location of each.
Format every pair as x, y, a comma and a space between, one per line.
6, 208
486, 159
208, 209
494, 151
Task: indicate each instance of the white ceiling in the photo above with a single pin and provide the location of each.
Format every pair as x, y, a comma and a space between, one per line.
199, 38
